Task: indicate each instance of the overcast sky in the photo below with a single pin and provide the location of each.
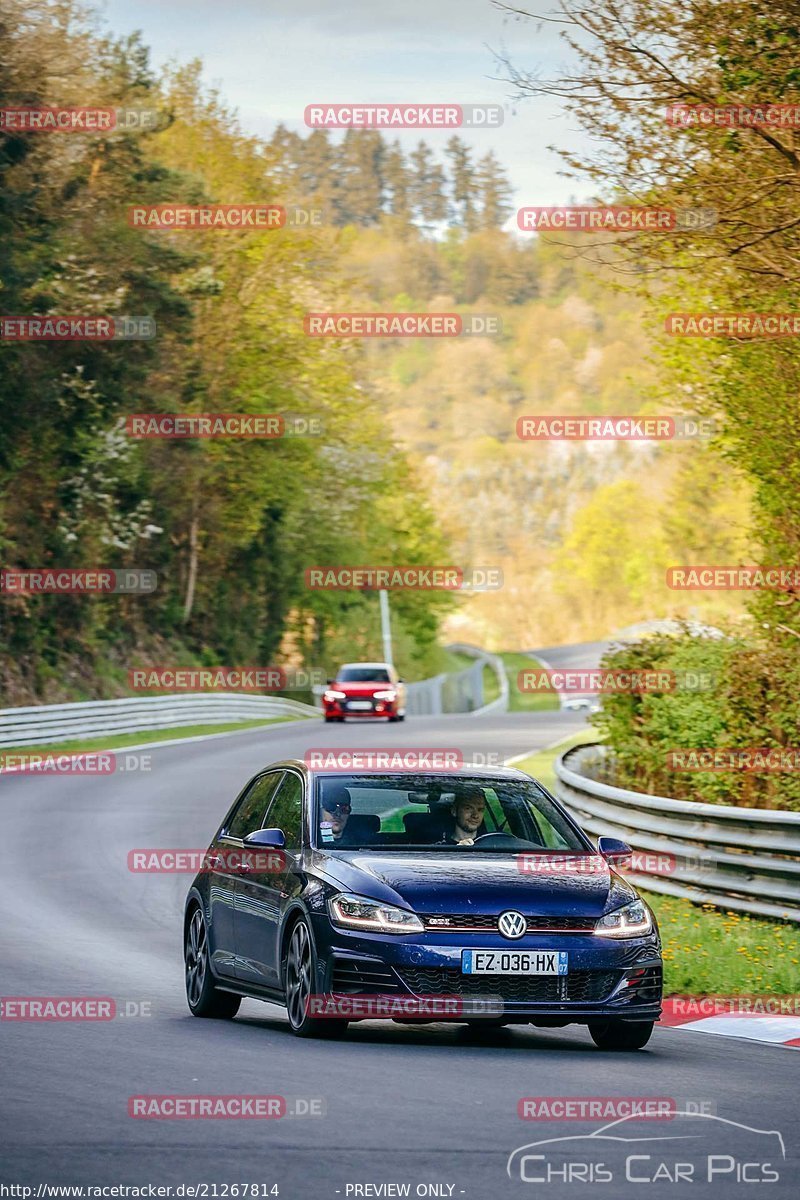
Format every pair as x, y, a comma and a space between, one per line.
270, 59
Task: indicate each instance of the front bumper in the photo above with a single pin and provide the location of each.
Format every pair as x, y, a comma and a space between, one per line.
605, 979
379, 709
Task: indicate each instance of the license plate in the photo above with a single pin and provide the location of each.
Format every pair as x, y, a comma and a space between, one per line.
360, 704
514, 962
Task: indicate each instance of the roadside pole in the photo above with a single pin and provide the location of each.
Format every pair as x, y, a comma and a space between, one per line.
386, 627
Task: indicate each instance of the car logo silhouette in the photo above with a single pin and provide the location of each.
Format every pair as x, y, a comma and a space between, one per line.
512, 924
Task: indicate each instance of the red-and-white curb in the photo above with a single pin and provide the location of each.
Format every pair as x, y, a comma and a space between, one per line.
777, 1028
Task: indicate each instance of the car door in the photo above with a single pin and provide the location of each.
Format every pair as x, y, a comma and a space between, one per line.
261, 896
224, 870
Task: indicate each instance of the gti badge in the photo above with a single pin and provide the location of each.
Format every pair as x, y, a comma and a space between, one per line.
512, 924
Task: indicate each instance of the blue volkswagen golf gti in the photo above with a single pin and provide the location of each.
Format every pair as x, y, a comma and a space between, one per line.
466, 895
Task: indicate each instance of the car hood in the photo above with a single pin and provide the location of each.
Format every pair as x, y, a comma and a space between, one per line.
449, 883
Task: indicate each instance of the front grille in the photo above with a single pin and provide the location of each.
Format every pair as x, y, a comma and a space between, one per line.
579, 987
481, 923
356, 975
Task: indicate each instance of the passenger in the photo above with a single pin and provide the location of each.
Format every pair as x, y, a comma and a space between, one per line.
336, 809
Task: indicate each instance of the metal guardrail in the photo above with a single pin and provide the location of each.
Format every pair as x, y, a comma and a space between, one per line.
743, 859
53, 723
497, 665
459, 691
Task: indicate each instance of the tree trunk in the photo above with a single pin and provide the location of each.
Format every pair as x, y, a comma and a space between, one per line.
192, 577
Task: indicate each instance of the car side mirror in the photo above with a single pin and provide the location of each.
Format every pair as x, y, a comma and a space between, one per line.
273, 839
331, 681
614, 851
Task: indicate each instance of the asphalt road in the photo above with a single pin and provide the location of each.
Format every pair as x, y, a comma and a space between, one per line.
404, 1105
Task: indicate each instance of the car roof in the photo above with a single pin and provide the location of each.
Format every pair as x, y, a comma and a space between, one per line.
467, 771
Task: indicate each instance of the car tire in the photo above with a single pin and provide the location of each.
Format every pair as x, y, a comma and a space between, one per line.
203, 998
299, 974
621, 1035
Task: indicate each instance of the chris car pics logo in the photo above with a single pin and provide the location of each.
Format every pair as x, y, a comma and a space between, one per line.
693, 1148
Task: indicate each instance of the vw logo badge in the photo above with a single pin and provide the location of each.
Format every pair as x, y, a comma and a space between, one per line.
512, 924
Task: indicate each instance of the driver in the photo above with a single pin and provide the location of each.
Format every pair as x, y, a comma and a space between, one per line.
468, 810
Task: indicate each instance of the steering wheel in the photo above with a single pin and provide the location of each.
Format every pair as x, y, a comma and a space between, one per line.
499, 839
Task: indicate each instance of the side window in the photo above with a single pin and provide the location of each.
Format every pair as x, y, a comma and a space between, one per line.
286, 810
250, 813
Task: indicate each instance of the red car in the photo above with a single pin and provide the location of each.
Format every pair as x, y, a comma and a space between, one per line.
365, 690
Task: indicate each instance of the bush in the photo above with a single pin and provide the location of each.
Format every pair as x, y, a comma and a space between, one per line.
750, 701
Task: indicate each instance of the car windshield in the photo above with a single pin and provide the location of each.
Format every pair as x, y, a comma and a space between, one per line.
363, 675
442, 814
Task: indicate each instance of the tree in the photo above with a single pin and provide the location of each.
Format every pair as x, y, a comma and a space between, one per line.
428, 187
494, 193
463, 183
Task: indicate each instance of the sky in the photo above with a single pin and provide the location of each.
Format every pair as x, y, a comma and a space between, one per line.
270, 59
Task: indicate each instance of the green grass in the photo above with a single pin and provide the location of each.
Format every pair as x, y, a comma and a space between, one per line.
526, 701
707, 951
540, 763
447, 662
491, 685
112, 741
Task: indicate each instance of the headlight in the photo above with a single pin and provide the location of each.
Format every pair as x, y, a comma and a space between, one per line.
390, 695
333, 696
632, 920
357, 912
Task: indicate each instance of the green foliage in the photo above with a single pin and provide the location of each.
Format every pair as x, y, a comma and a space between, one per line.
728, 693
229, 526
